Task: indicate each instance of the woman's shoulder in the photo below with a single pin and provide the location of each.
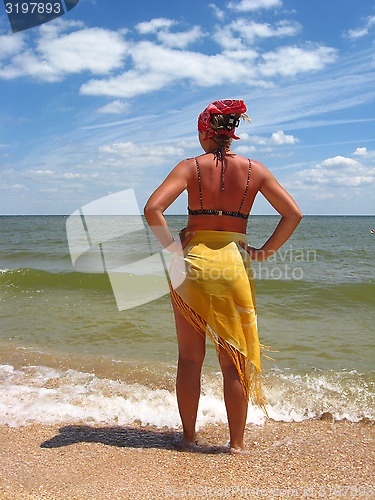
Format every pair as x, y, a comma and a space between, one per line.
185, 163
259, 173
258, 167
185, 168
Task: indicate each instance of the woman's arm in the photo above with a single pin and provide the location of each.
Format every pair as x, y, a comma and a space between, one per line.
161, 199
291, 216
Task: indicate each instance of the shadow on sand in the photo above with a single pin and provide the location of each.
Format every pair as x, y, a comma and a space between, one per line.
124, 437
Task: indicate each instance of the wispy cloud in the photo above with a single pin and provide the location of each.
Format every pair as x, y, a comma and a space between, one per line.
362, 31
251, 5
155, 25
141, 154
114, 108
219, 13
278, 138
243, 32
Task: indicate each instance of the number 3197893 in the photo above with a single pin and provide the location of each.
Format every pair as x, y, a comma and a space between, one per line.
33, 8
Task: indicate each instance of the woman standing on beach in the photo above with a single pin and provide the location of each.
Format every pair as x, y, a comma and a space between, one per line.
211, 285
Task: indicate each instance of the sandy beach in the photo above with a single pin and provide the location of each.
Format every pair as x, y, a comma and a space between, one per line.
312, 459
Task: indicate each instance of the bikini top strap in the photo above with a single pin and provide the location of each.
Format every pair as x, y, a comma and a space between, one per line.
199, 183
200, 186
247, 185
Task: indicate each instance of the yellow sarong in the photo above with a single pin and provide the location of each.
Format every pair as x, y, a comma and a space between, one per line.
212, 284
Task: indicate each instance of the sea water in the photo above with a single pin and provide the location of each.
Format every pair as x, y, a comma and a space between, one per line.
72, 351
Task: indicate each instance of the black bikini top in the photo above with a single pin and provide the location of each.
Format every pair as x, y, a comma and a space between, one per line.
204, 211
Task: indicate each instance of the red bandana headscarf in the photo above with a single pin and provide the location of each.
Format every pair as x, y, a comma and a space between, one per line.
224, 107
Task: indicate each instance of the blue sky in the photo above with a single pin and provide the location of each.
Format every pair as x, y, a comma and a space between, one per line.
106, 98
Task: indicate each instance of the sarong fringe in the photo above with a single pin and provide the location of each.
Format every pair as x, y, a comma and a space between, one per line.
249, 375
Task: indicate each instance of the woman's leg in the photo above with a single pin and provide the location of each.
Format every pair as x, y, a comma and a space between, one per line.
191, 350
235, 400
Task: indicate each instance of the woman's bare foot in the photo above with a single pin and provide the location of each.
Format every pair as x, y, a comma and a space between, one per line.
238, 451
183, 444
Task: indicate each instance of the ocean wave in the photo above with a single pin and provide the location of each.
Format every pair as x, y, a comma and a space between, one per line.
28, 278
342, 394
325, 293
40, 394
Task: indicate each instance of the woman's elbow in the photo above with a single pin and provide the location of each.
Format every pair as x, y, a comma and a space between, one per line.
146, 208
296, 216
293, 216
150, 210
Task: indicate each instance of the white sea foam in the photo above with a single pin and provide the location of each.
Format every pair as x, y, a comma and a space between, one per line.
344, 394
38, 394
45, 395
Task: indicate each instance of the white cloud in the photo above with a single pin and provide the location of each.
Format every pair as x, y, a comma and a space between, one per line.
357, 33
11, 45
360, 32
242, 32
252, 30
360, 152
289, 61
180, 40
161, 27
126, 149
251, 5
323, 195
340, 162
245, 55
100, 51
64, 48
279, 138
338, 171
92, 49
155, 67
42, 172
55, 55
59, 26
244, 150
73, 175
114, 107
129, 84
218, 12
28, 64
53, 175
154, 25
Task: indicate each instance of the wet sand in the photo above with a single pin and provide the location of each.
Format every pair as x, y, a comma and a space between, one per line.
312, 459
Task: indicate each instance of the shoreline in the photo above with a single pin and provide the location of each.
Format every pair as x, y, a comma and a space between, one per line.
311, 459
